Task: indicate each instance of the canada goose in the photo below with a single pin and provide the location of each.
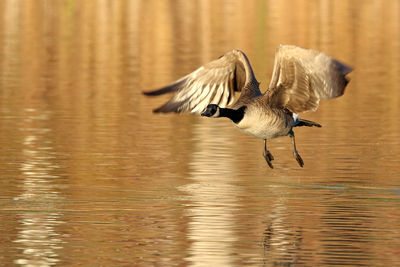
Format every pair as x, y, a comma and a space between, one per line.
300, 78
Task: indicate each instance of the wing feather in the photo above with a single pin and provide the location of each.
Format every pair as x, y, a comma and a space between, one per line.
301, 77
214, 83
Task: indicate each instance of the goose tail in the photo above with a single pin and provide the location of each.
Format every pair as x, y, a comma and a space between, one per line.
301, 122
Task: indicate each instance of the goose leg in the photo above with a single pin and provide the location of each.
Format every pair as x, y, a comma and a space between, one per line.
295, 153
267, 155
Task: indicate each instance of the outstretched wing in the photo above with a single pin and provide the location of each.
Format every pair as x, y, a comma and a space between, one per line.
213, 83
301, 77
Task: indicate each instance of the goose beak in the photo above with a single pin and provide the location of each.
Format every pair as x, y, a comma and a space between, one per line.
206, 113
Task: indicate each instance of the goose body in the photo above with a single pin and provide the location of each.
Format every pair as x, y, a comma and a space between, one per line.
263, 122
300, 78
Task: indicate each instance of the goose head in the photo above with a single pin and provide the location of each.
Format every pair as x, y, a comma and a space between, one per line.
212, 110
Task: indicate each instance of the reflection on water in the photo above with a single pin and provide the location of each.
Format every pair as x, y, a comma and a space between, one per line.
282, 240
37, 235
212, 197
90, 176
348, 229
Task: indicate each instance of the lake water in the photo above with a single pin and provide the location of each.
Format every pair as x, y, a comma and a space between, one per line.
91, 177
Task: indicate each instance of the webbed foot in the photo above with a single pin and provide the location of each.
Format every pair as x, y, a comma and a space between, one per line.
267, 155
299, 159
295, 153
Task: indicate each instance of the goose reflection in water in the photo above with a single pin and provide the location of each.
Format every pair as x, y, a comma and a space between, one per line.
282, 240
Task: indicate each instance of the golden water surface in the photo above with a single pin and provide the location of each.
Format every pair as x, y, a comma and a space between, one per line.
91, 177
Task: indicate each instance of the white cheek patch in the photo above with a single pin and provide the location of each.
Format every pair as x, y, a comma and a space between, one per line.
216, 115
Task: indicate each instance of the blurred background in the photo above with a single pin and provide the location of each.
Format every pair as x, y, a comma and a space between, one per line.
89, 175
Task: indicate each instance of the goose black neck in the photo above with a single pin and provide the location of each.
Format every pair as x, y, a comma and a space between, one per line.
236, 115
